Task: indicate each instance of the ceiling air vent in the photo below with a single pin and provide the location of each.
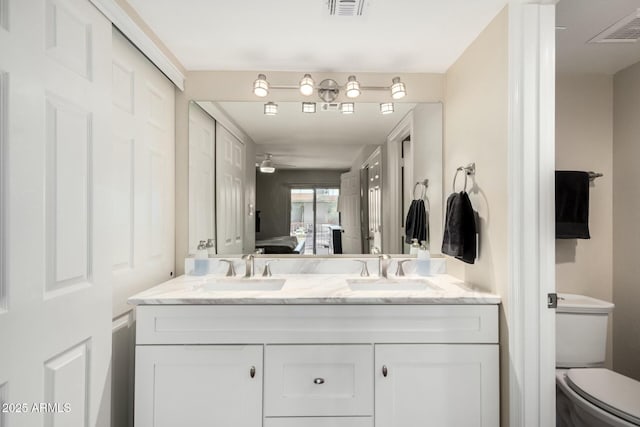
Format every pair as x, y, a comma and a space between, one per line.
626, 30
345, 7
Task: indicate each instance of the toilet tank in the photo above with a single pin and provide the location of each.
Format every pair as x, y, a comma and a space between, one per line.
581, 331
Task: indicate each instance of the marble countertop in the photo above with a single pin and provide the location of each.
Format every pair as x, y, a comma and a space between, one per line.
312, 289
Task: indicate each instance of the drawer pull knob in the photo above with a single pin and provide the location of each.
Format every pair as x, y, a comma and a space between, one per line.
318, 381
384, 371
252, 372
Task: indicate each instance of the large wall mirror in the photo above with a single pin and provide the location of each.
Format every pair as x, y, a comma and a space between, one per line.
311, 178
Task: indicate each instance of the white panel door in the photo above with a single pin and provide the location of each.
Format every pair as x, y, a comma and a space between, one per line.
143, 141
199, 386
57, 188
230, 173
437, 385
349, 207
202, 213
143, 138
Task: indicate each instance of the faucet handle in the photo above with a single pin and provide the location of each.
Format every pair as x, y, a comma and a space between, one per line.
383, 265
365, 271
231, 271
267, 270
400, 270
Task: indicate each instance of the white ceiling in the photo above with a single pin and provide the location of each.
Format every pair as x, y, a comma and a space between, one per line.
585, 19
322, 140
299, 35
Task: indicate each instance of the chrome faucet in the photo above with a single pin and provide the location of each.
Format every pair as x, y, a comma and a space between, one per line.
267, 269
231, 271
364, 272
384, 265
248, 263
400, 270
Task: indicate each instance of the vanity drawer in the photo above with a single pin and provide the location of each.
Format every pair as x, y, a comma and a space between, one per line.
318, 380
319, 422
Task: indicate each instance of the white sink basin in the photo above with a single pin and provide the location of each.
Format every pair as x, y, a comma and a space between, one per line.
405, 284
229, 284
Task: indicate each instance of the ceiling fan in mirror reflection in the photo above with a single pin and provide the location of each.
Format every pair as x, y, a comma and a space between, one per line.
267, 165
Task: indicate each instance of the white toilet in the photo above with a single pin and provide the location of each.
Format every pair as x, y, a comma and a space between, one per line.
588, 395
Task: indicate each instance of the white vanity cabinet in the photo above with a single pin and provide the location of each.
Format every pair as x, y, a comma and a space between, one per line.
198, 386
436, 384
323, 365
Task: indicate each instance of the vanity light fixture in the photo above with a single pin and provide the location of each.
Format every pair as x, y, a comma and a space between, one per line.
261, 86
352, 89
308, 107
328, 90
306, 85
347, 108
270, 109
386, 107
398, 89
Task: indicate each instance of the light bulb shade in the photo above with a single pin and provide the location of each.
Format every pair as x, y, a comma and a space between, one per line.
306, 85
347, 108
261, 86
270, 109
267, 166
308, 107
352, 89
386, 107
398, 89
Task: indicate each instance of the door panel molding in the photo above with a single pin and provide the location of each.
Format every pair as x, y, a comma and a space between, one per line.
69, 38
4, 14
68, 196
4, 199
124, 202
66, 380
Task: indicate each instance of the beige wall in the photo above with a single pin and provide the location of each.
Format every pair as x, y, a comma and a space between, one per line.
476, 131
476, 124
236, 86
626, 226
584, 141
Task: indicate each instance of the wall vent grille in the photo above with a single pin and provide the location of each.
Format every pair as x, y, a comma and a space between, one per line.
626, 30
345, 7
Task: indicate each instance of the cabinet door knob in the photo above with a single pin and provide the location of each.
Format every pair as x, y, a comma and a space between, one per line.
252, 372
384, 371
318, 381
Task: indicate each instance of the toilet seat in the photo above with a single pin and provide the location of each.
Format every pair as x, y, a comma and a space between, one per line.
608, 390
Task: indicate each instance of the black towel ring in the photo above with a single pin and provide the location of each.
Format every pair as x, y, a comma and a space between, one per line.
470, 169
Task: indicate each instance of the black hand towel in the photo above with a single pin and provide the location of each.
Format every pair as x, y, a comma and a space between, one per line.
415, 226
459, 238
572, 205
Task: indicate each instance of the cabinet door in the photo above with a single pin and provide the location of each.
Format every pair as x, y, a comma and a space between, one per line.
437, 385
198, 386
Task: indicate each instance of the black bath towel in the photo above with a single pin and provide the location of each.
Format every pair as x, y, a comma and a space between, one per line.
417, 223
460, 236
572, 205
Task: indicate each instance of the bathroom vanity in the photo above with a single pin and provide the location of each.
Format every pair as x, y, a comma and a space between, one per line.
316, 351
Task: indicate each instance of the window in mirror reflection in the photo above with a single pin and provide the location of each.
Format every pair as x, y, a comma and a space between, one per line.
314, 218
